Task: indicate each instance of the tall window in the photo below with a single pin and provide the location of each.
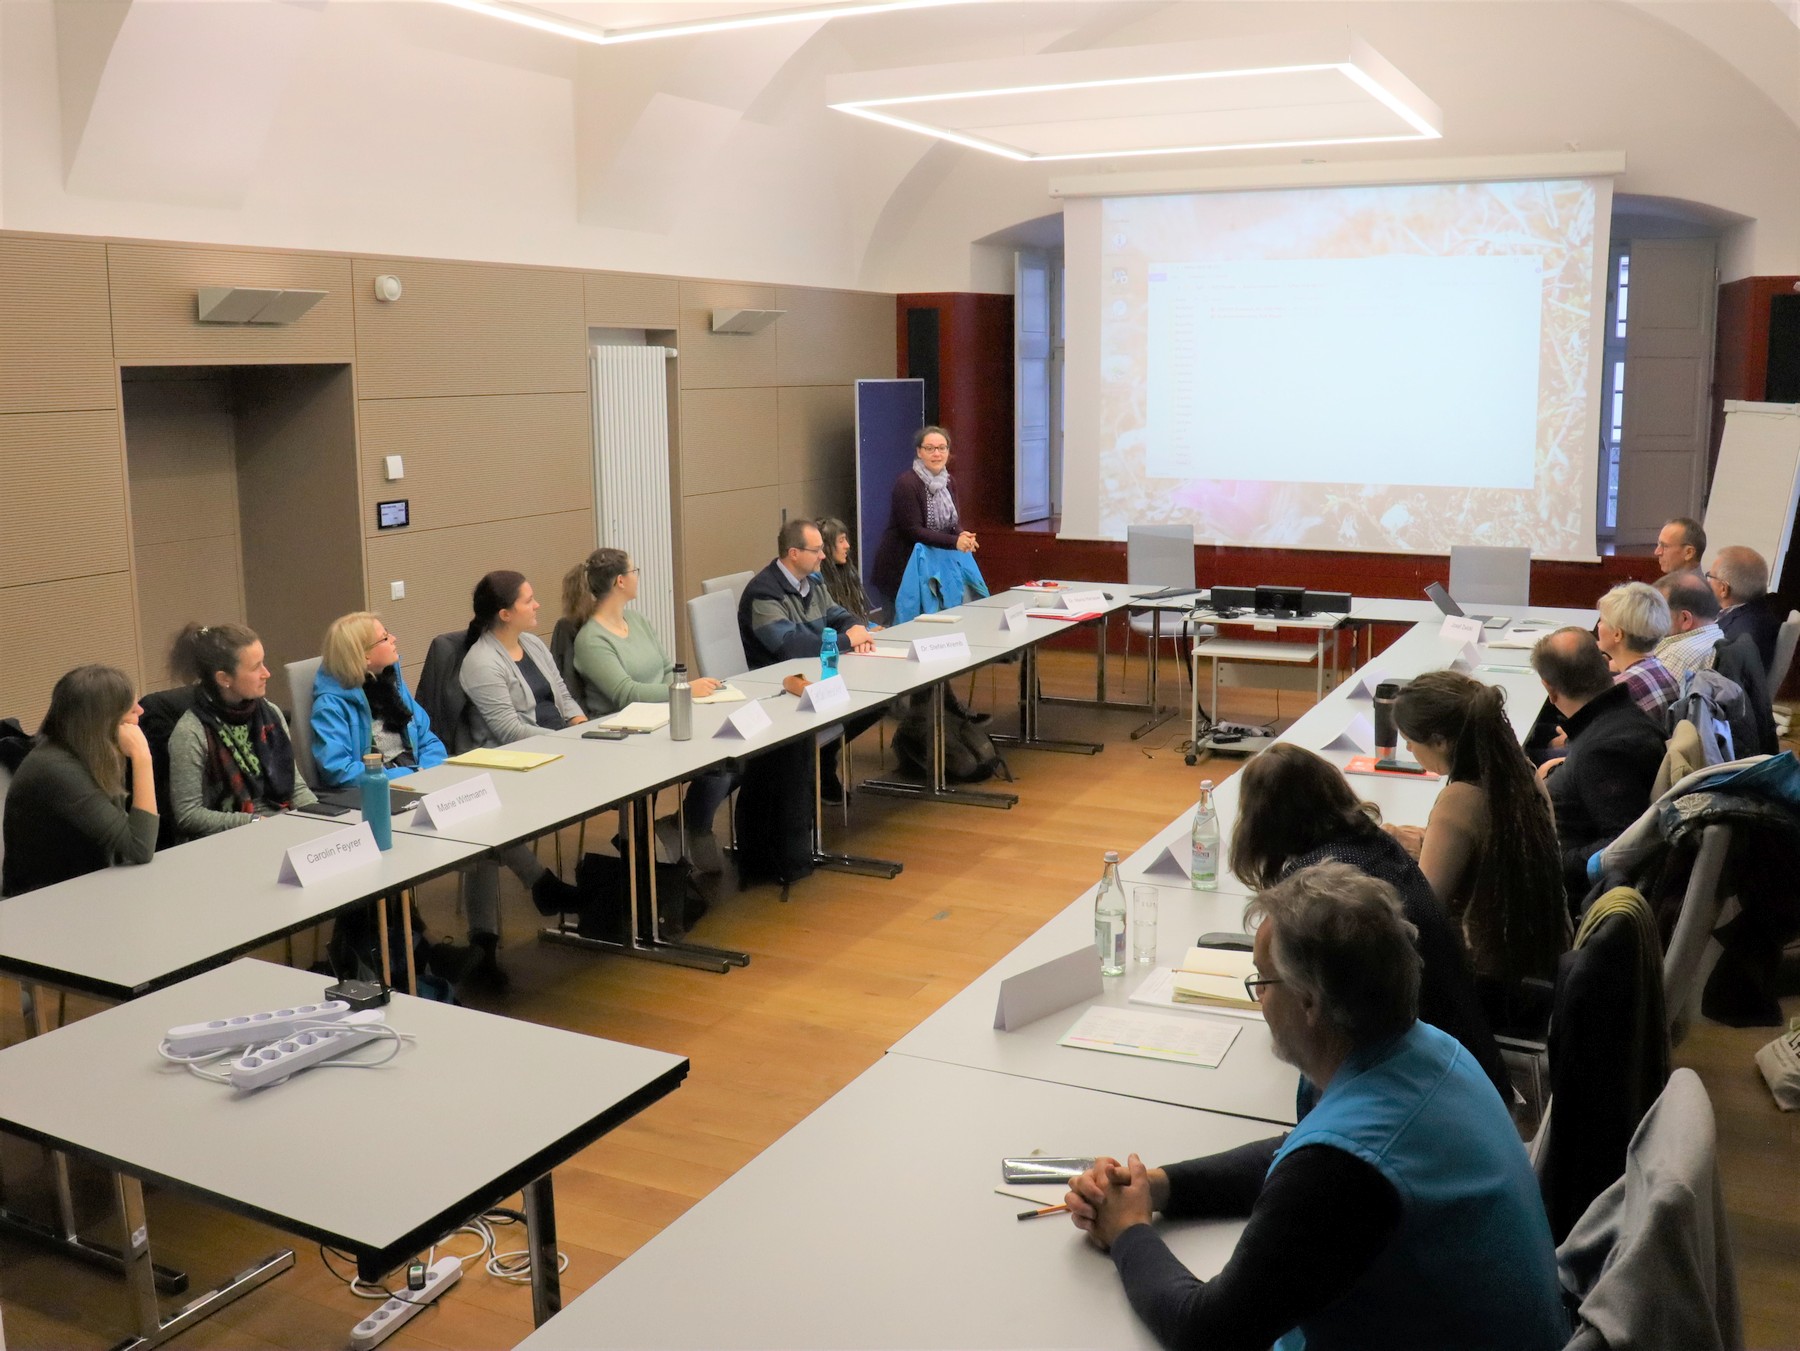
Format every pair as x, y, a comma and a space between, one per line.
1612, 388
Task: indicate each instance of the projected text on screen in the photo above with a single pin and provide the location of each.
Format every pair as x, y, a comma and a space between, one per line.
1391, 368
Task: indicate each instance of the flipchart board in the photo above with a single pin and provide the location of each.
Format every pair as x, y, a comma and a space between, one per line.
1757, 483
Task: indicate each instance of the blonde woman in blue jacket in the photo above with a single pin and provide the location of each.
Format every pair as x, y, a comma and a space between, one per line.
361, 705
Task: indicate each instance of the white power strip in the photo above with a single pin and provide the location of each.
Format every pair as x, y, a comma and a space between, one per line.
223, 1034
273, 1063
380, 1325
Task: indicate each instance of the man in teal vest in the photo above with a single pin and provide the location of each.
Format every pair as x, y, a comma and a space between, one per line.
1401, 1213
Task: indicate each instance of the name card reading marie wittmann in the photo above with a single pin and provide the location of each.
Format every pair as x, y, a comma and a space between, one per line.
472, 797
341, 851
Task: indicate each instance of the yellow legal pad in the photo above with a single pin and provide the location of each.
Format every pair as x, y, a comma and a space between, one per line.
497, 757
1214, 976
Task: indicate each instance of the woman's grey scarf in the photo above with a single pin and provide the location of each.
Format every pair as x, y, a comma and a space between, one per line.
940, 507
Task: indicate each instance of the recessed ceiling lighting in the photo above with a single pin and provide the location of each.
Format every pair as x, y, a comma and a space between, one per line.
1253, 94
548, 22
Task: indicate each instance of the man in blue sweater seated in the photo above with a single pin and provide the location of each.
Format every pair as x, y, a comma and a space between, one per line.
1401, 1212
783, 614
785, 608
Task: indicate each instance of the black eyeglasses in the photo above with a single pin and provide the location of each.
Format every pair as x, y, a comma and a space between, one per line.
1253, 986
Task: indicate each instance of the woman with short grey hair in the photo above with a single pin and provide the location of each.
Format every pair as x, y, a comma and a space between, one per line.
1401, 1212
1634, 618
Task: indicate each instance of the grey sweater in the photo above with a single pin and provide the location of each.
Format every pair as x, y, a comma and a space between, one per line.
504, 707
201, 807
60, 825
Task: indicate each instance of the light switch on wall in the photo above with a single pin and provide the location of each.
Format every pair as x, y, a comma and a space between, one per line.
396, 469
396, 590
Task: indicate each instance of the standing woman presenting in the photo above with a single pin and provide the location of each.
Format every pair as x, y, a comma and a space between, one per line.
923, 511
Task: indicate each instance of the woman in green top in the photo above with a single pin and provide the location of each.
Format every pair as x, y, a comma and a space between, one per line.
621, 662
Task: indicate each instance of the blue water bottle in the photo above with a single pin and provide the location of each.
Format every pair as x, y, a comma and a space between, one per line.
376, 809
828, 654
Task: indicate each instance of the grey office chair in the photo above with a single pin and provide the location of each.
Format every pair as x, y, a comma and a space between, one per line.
1692, 951
1785, 638
1484, 575
300, 676
1162, 555
734, 582
713, 626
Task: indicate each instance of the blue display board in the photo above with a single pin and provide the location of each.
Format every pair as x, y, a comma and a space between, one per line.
888, 414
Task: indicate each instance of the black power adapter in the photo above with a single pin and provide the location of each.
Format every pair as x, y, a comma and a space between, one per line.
358, 994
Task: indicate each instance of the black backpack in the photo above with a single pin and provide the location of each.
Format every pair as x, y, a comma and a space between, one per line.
969, 753
775, 816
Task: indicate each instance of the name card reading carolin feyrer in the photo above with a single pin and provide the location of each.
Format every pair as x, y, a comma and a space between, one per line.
746, 722
825, 696
947, 648
458, 802
341, 851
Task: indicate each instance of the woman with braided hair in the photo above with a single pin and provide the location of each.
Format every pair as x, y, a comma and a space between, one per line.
231, 759
1489, 848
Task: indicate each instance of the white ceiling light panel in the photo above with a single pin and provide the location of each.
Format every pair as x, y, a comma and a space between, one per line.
1260, 93
604, 22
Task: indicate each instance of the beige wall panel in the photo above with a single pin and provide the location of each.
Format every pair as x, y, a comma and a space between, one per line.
298, 506
179, 582
100, 630
818, 498
630, 300
728, 440
62, 490
834, 337
466, 328
440, 569
471, 460
727, 532
179, 439
816, 436
55, 329
153, 299
725, 360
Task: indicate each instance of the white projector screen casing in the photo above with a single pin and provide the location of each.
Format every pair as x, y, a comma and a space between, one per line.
1394, 368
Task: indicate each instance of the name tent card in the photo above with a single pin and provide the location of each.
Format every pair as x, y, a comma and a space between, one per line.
947, 648
341, 851
1013, 618
1174, 861
1047, 989
750, 720
1461, 629
825, 696
1364, 685
1358, 737
1084, 600
1467, 660
458, 802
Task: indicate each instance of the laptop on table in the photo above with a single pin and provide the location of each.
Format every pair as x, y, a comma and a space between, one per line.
1441, 598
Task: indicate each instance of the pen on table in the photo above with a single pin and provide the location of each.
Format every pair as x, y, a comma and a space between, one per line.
1047, 1210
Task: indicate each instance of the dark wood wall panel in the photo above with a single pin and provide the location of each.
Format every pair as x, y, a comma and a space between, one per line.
975, 396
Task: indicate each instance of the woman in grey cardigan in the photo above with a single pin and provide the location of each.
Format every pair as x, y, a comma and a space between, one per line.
514, 688
231, 759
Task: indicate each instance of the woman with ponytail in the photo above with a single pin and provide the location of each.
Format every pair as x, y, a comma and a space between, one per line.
231, 759
1489, 848
507, 672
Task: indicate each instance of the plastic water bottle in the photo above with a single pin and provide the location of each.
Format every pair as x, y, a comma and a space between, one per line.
828, 654
376, 809
681, 705
1109, 919
1204, 867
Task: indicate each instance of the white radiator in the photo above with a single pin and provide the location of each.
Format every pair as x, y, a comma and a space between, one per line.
631, 473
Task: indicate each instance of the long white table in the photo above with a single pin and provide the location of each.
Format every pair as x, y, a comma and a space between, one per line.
874, 1223
379, 1163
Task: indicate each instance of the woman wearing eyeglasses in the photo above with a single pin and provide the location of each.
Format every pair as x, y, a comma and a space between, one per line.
921, 511
621, 662
362, 706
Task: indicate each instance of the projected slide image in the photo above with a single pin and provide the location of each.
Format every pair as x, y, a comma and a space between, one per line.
1392, 368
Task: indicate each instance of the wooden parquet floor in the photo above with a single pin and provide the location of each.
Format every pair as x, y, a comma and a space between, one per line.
838, 974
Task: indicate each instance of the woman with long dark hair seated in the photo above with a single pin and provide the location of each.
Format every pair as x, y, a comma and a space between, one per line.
514, 688
1296, 809
231, 758
1508, 897
843, 579
85, 796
